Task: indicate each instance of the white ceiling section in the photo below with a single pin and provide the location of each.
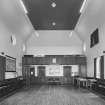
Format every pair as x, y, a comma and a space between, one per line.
14, 18
93, 15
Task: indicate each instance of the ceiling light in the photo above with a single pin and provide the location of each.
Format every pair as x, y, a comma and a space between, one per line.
83, 5
24, 8
53, 23
53, 4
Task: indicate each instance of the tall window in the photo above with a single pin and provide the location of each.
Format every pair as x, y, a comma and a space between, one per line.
98, 71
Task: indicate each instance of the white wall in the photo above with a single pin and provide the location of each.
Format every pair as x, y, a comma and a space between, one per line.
7, 47
96, 51
13, 21
55, 50
54, 42
92, 18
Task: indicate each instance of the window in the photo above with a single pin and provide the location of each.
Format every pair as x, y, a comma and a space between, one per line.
94, 38
99, 71
9, 75
54, 70
75, 70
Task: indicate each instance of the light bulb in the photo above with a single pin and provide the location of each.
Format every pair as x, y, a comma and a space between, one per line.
53, 4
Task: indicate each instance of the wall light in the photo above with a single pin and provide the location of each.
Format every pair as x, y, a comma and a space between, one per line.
53, 23
37, 34
24, 8
71, 33
13, 40
84, 47
83, 5
24, 48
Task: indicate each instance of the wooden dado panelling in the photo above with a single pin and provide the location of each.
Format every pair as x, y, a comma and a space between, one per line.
2, 68
60, 60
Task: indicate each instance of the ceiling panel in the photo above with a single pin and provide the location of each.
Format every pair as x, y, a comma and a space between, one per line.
42, 14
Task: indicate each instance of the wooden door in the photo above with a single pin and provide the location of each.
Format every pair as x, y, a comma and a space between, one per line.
28, 75
67, 74
32, 75
41, 74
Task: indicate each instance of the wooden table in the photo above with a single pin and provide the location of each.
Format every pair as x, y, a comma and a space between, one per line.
91, 82
83, 81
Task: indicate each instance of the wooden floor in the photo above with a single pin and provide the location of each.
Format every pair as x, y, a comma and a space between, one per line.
53, 95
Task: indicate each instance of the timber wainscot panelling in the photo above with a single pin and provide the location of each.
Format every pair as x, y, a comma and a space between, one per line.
2, 68
60, 60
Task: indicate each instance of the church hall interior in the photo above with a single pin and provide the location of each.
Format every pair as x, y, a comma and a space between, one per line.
52, 52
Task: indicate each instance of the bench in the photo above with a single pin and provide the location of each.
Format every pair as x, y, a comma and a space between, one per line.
7, 86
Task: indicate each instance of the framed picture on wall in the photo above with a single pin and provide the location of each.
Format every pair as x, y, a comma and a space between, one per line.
94, 38
10, 64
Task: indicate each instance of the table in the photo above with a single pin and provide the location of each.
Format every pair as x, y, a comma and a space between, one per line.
83, 81
91, 82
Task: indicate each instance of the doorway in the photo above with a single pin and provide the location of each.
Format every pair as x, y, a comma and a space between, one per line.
32, 75
29, 75
67, 75
41, 74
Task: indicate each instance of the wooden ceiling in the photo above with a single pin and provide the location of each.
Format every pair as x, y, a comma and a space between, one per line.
42, 15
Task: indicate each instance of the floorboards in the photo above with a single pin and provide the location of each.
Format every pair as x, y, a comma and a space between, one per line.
53, 95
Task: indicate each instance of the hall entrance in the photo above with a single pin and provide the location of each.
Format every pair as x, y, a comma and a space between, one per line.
29, 75
67, 74
41, 74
